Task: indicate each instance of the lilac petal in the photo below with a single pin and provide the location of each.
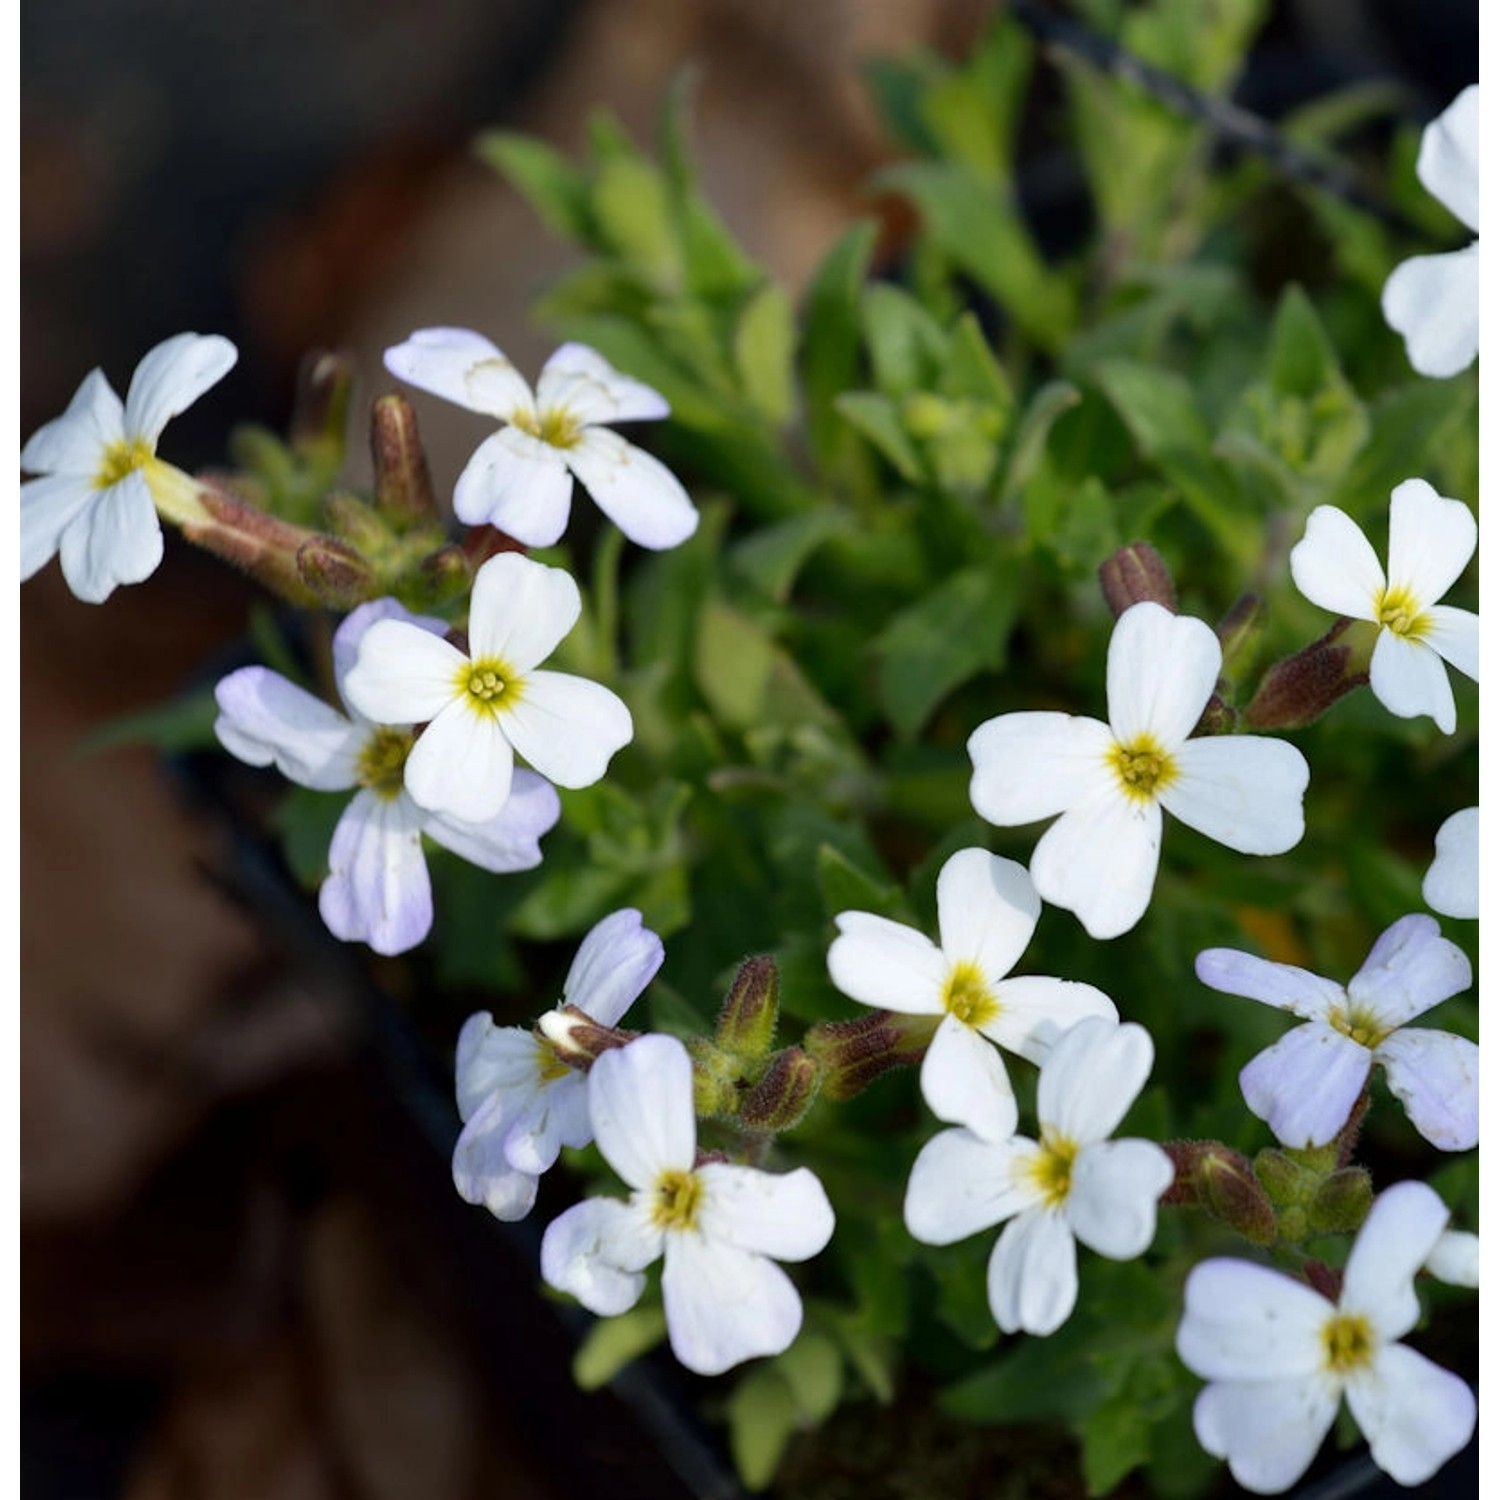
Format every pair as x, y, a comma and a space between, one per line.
1036, 1012
520, 611
1335, 567
115, 540
1240, 790
1269, 1430
597, 1250
1448, 161
964, 1082
403, 674
1411, 968
462, 367
377, 890
1451, 884
494, 1059
885, 964
171, 377
613, 966
568, 727
1162, 670
1099, 862
48, 507
639, 493
1030, 766
641, 1104
725, 1305
960, 1184
265, 720
1032, 1277
786, 1215
1432, 301
1432, 540
1092, 1076
461, 766
1282, 985
511, 839
1113, 1194
74, 443
1245, 1322
1410, 680
533, 1140
987, 911
1435, 1075
1398, 1235
1304, 1086
481, 1172
1414, 1414
583, 383
517, 483
352, 630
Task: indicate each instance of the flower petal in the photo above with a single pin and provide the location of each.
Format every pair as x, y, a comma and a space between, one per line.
1240, 790
520, 610
1029, 766
1245, 1322
115, 540
1304, 1086
511, 839
583, 1251
1093, 1075
960, 1184
786, 1215
265, 720
1432, 540
1451, 884
1432, 301
987, 911
1448, 161
581, 381
534, 1138
74, 443
725, 1305
615, 962
1099, 862
461, 765
1335, 567
1269, 1430
1398, 1235
638, 492
1454, 635
462, 367
1411, 968
377, 890
641, 1103
517, 483
403, 674
1283, 985
1032, 1277
481, 1172
494, 1060
1414, 1414
1455, 1258
352, 630
965, 1083
1162, 671
1409, 679
48, 507
171, 377
567, 727
885, 964
1113, 1194
1035, 1012
1435, 1075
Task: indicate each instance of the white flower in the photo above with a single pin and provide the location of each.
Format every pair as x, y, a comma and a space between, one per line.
1451, 885
1455, 1258
715, 1226
1305, 1085
987, 911
520, 1103
1432, 301
101, 483
377, 890
1075, 1184
487, 704
1432, 540
521, 479
1111, 781
1279, 1355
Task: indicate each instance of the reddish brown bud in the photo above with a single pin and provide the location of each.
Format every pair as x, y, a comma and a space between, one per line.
260, 544
1299, 689
480, 543
337, 574
403, 485
1224, 1183
855, 1053
577, 1038
785, 1091
747, 1019
1323, 1278
1134, 574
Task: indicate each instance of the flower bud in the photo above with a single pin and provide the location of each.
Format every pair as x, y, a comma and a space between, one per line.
716, 1080
1341, 1203
855, 1053
258, 543
1323, 1278
1239, 634
481, 543
1299, 689
577, 1038
747, 1019
443, 575
784, 1092
336, 573
1284, 1180
357, 523
320, 409
1217, 718
403, 485
1135, 574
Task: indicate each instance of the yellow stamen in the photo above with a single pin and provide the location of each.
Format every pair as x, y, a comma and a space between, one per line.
1348, 1343
121, 460
675, 1199
1143, 767
489, 685
382, 761
967, 996
556, 426
1359, 1025
1400, 612
1051, 1169
549, 1066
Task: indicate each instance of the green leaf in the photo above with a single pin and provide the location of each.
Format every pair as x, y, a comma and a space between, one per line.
1302, 360
870, 1354
771, 559
182, 724
306, 820
907, 347
554, 188
830, 346
814, 1373
1115, 1441
846, 887
762, 1418
1030, 442
765, 342
973, 371
878, 418
732, 664
612, 1343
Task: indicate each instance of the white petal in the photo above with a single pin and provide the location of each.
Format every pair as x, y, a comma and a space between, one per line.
1282, 985
462, 367
1099, 862
1432, 540
885, 964
960, 1184
639, 493
494, 1060
351, 632
403, 674
265, 720
518, 483
1435, 1075
1162, 670
1032, 1278
1454, 635
1448, 161
533, 1140
1432, 301
725, 1305
583, 1251
1035, 765
1335, 567
1451, 885
615, 962
1415, 1415
567, 727
585, 384
520, 610
786, 1215
511, 839
1409, 678
115, 540
171, 377
1092, 1076
74, 443
1269, 1430
1304, 1086
964, 1082
641, 1104
1455, 1258
1398, 1235
377, 890
1411, 968
568, 1103
1035, 1012
481, 1172
1245, 1322
1240, 790
987, 911
1112, 1197
461, 765
48, 507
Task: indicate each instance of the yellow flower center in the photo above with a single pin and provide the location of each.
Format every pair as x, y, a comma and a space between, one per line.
1348, 1343
121, 460
382, 761
967, 997
675, 1199
1359, 1025
1051, 1169
556, 426
1400, 612
1143, 767
488, 684
549, 1066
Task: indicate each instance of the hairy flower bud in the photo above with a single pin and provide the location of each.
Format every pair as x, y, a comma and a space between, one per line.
1283, 1179
747, 1019
320, 409
1301, 688
577, 1038
260, 544
445, 575
855, 1053
1341, 1204
403, 485
336, 573
784, 1092
1224, 1183
1136, 573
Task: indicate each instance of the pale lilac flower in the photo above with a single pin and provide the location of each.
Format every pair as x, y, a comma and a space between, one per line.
715, 1226
519, 1101
987, 911
1432, 301
1111, 782
101, 483
1432, 540
1305, 1086
1451, 884
377, 891
1278, 1356
1074, 1184
483, 706
521, 478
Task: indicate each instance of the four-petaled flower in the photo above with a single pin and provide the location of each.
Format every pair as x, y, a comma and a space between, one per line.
519, 1101
1432, 301
521, 478
987, 911
1073, 1184
483, 705
1305, 1086
1111, 781
377, 890
1279, 1355
101, 481
715, 1225
1451, 884
1432, 540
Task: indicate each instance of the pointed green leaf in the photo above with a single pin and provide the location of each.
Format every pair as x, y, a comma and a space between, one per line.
612, 1343
764, 345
